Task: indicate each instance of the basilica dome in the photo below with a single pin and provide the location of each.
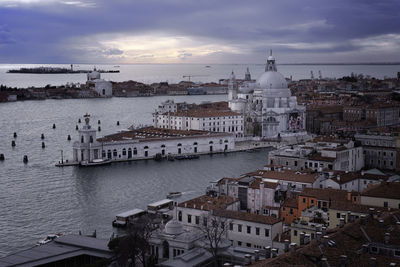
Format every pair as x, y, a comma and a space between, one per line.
271, 80
94, 75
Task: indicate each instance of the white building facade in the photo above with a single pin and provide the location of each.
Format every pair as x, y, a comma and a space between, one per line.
101, 86
269, 109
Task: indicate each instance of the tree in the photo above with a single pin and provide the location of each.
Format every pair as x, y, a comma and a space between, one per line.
214, 229
134, 246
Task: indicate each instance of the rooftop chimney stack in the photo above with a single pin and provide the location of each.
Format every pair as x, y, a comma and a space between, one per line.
268, 252
362, 219
293, 247
302, 234
319, 235
381, 223
274, 252
341, 223
256, 255
286, 245
343, 259
247, 259
387, 238
307, 239
324, 262
372, 262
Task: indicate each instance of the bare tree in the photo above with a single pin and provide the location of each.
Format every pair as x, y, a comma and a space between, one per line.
214, 229
134, 246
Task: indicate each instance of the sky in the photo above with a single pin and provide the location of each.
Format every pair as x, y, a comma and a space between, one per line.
199, 31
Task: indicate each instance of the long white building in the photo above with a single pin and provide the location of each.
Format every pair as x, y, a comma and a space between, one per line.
212, 117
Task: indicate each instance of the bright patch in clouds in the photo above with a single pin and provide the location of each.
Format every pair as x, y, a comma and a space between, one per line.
153, 47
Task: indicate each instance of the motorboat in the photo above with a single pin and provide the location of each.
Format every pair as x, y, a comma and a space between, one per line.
95, 162
174, 194
48, 239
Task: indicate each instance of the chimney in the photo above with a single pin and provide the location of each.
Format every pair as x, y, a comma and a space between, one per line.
268, 252
256, 255
387, 238
341, 223
319, 235
325, 239
286, 245
372, 262
349, 217
227, 264
293, 247
392, 264
185, 204
343, 259
371, 212
381, 223
324, 262
362, 219
307, 239
302, 234
365, 248
274, 252
323, 230
247, 259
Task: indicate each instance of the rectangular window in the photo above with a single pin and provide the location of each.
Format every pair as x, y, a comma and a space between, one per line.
239, 243
266, 232
204, 221
197, 219
231, 226
257, 231
249, 229
239, 228
248, 245
189, 218
291, 211
304, 200
338, 215
385, 204
295, 232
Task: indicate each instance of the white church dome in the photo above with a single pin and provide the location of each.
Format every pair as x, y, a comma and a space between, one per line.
94, 75
272, 80
173, 227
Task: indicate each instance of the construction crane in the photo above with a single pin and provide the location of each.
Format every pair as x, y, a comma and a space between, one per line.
190, 76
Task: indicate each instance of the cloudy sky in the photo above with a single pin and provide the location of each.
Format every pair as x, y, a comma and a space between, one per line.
198, 31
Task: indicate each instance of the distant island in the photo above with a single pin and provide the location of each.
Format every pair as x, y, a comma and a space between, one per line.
52, 70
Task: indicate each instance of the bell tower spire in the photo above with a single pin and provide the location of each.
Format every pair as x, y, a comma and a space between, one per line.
270, 66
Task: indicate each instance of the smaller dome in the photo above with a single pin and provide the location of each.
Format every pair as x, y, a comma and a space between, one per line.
173, 227
94, 75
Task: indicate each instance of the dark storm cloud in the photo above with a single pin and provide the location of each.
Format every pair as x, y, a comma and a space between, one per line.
41, 31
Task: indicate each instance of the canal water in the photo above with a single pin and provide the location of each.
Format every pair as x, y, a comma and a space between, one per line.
39, 199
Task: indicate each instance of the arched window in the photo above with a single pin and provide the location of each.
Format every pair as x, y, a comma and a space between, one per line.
162, 145
146, 147
134, 151
123, 152
109, 154
82, 139
179, 144
91, 139
104, 91
115, 153
195, 143
211, 142
180, 216
103, 154
226, 141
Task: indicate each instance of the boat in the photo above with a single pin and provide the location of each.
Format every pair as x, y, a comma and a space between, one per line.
174, 194
95, 162
48, 239
122, 219
208, 66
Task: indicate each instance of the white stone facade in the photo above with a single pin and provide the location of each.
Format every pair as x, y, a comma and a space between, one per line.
269, 109
102, 87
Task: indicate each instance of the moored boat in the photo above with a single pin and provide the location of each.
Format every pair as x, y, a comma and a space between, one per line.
95, 162
174, 194
48, 239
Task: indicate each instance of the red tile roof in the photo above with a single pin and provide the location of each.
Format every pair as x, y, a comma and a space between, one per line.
208, 203
244, 216
327, 194
383, 190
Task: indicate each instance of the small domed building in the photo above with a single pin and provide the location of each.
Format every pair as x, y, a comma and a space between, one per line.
101, 86
269, 109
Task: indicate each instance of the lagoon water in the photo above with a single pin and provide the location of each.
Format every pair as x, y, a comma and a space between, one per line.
38, 198
173, 73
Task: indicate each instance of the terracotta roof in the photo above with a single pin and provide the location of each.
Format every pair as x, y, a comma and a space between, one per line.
343, 177
384, 190
289, 175
257, 181
318, 157
208, 203
151, 133
282, 237
348, 206
327, 194
291, 203
244, 216
223, 180
201, 113
348, 241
